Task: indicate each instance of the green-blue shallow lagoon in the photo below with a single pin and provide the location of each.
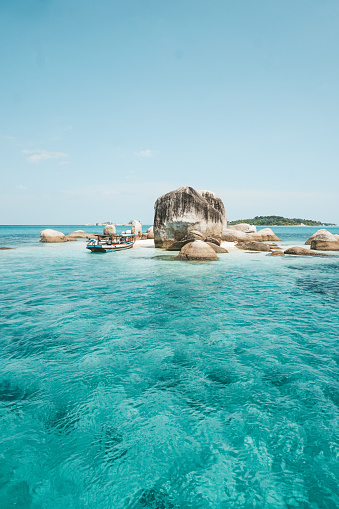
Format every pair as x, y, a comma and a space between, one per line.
131, 380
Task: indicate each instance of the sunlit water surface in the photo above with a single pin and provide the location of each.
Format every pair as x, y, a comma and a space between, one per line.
132, 380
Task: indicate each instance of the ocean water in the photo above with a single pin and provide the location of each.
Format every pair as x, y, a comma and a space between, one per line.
133, 380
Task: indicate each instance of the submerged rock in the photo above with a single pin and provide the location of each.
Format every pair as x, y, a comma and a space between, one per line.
52, 236
302, 251
197, 250
184, 210
3, 247
110, 229
253, 246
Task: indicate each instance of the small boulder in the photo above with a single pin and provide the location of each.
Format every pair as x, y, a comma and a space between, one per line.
110, 229
252, 246
197, 250
302, 251
265, 234
217, 249
277, 253
150, 233
136, 228
212, 240
234, 236
3, 247
79, 234
52, 236
243, 227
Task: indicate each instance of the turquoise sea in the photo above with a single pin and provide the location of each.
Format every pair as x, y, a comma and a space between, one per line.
133, 380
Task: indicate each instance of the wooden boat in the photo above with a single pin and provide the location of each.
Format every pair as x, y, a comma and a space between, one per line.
111, 243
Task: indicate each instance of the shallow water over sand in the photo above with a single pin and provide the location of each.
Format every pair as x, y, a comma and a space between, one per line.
132, 380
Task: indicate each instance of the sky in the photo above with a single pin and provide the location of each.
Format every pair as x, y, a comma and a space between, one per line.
104, 106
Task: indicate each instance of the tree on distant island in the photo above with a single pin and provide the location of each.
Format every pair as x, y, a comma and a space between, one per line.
279, 221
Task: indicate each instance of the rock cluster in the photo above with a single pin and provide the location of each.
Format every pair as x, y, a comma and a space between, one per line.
323, 240
242, 233
302, 251
185, 210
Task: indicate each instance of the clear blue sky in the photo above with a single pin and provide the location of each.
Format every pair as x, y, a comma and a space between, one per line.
107, 105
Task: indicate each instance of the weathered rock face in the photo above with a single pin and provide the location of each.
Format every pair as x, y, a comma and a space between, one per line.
302, 251
322, 245
136, 228
253, 246
179, 212
243, 227
197, 250
176, 246
110, 229
52, 236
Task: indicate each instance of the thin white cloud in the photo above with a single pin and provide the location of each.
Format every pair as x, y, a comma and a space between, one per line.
35, 156
6, 137
145, 153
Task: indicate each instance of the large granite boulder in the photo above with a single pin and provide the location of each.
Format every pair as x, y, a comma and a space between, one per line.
323, 240
243, 227
150, 233
265, 234
52, 236
110, 229
253, 246
179, 212
322, 234
302, 251
136, 228
197, 250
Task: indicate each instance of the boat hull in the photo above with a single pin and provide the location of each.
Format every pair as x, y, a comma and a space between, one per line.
109, 248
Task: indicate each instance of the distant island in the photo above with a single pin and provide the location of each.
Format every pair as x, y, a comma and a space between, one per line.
279, 221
